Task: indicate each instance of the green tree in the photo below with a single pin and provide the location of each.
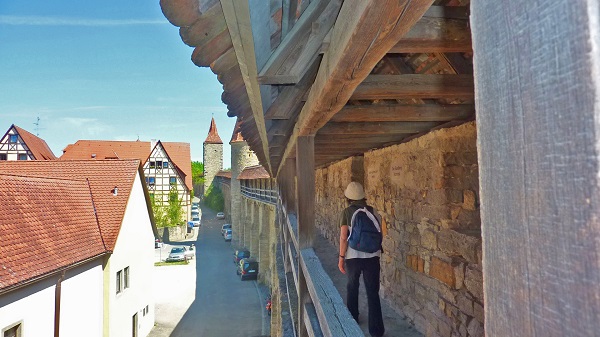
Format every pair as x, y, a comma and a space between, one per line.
197, 172
168, 215
214, 199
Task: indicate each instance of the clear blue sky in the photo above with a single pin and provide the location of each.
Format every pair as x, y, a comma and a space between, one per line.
111, 69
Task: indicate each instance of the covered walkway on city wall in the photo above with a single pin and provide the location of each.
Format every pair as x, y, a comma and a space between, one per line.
491, 223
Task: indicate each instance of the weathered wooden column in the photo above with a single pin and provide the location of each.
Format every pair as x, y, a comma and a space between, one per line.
305, 172
537, 74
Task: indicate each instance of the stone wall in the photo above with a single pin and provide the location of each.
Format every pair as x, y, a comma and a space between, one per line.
241, 157
427, 193
212, 157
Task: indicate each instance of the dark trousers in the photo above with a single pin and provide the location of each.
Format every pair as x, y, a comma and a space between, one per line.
370, 270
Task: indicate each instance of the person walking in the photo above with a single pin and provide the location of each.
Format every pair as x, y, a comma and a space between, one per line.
361, 259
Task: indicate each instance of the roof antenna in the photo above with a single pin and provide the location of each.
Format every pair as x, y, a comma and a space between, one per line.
37, 126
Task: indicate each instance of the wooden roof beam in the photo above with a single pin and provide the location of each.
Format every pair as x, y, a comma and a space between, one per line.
285, 105
363, 33
204, 55
436, 35
237, 16
294, 55
403, 112
415, 86
381, 128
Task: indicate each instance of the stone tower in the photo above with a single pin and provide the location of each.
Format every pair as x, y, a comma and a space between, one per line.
212, 155
241, 157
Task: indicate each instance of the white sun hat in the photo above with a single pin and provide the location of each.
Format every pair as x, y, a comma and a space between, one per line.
354, 191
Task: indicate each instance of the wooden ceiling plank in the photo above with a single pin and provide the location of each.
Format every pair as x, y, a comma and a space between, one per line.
448, 12
291, 46
415, 86
363, 33
382, 128
403, 113
458, 62
436, 35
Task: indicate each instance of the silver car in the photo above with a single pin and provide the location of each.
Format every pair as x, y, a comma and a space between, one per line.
180, 254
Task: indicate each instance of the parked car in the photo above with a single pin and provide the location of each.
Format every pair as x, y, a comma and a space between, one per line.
220, 215
196, 220
224, 228
180, 254
248, 269
240, 254
227, 235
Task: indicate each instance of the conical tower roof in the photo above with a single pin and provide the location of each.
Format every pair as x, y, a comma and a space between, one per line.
213, 135
237, 133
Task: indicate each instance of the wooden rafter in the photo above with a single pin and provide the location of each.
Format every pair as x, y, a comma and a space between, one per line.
414, 86
403, 112
381, 128
293, 57
364, 34
439, 35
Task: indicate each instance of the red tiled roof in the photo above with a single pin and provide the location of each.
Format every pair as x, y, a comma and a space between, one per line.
37, 146
224, 174
112, 149
45, 225
181, 157
103, 176
213, 135
254, 172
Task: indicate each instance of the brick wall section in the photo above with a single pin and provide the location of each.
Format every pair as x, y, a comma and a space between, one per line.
427, 193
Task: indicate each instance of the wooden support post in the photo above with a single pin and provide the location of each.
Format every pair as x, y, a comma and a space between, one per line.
305, 171
538, 85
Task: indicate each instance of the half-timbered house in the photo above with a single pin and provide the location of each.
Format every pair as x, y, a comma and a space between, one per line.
19, 144
167, 165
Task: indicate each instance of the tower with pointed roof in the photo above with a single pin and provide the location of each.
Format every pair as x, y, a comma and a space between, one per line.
212, 155
241, 157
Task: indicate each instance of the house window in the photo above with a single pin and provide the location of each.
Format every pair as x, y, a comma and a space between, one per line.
152, 164
172, 180
14, 331
13, 138
2, 156
126, 278
22, 156
119, 281
159, 164
151, 180
165, 164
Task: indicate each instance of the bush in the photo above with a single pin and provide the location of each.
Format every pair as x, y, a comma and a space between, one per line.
214, 199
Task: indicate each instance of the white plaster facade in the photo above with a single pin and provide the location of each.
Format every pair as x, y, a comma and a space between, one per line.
81, 304
134, 250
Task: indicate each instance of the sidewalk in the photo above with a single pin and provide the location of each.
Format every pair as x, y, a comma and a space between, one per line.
395, 325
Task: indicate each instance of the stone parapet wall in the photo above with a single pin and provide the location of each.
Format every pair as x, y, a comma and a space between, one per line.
427, 193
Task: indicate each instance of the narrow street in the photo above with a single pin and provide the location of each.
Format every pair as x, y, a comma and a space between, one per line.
214, 302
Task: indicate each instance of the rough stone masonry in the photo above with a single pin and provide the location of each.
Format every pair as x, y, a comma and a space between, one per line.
427, 191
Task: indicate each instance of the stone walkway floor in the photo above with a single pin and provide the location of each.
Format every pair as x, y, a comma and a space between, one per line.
395, 324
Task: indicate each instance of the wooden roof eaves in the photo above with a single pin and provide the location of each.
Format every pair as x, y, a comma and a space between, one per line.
237, 16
